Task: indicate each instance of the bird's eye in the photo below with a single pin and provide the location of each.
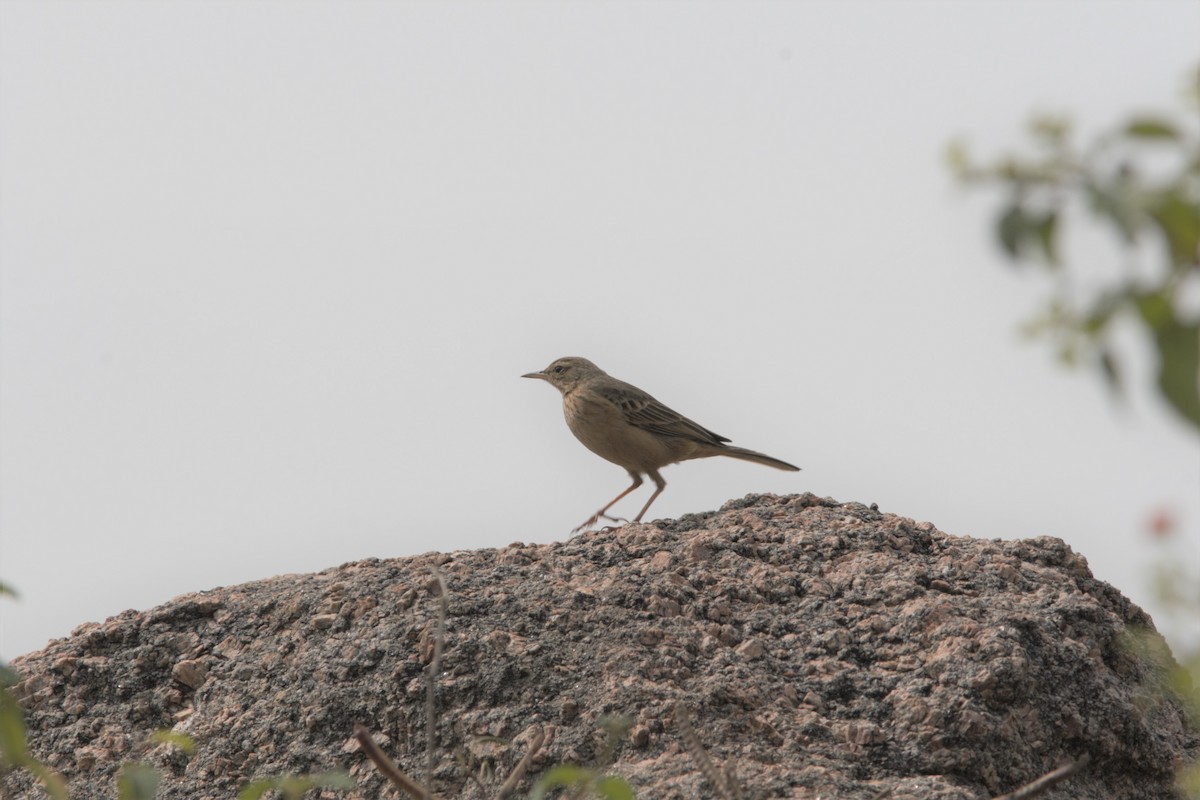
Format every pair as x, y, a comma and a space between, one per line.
558, 369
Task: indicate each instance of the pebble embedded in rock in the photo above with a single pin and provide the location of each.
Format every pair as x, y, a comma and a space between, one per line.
190, 673
324, 621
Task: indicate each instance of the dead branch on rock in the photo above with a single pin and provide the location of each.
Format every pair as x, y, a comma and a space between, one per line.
518, 772
380, 759
726, 785
731, 781
435, 666
390, 769
1034, 788
387, 767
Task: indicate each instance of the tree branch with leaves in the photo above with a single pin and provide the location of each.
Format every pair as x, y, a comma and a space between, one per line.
1141, 179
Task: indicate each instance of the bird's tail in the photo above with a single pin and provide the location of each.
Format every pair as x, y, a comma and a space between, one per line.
757, 458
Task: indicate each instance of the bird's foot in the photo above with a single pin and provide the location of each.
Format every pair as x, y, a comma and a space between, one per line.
592, 520
587, 523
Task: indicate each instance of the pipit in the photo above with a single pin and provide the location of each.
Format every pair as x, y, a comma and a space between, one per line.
619, 422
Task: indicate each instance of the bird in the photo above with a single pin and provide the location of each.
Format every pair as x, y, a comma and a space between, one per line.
623, 424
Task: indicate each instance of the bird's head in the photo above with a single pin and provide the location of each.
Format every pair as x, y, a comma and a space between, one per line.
565, 374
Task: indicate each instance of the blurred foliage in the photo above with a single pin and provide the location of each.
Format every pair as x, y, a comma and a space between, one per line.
175, 739
586, 782
294, 787
137, 782
1176, 584
582, 782
1141, 179
1168, 680
14, 750
616, 727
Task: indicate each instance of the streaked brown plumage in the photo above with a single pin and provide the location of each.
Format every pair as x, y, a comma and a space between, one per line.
619, 422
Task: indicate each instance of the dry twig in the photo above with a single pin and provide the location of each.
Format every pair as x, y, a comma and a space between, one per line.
692, 742
387, 767
1034, 788
518, 772
435, 666
732, 783
390, 769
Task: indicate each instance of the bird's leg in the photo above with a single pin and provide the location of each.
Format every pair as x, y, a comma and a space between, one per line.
660, 483
637, 481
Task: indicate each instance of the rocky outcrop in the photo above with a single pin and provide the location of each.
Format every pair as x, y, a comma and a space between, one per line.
823, 650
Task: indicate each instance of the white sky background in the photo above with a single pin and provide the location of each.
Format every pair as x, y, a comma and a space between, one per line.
269, 273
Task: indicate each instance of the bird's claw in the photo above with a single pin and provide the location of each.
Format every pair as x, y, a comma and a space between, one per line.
587, 523
596, 518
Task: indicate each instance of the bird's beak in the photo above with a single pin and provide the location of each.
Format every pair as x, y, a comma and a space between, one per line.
541, 375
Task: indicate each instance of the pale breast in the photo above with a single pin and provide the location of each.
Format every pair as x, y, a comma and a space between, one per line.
602, 428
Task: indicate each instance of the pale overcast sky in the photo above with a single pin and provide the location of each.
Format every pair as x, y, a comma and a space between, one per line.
269, 273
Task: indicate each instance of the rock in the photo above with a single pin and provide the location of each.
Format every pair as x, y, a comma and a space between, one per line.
822, 648
751, 649
324, 621
190, 673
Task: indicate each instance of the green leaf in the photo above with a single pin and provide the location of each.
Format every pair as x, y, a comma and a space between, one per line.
1051, 128
1151, 128
1178, 346
1116, 201
51, 781
1101, 313
1111, 373
1011, 230
138, 782
335, 779
14, 747
1155, 308
617, 727
1179, 221
14, 751
612, 788
1189, 780
561, 776
1068, 353
293, 787
256, 789
958, 159
6, 590
1185, 682
181, 740
1179, 368
1047, 233
565, 776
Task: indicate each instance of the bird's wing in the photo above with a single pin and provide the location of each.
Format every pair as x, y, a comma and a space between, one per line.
643, 411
